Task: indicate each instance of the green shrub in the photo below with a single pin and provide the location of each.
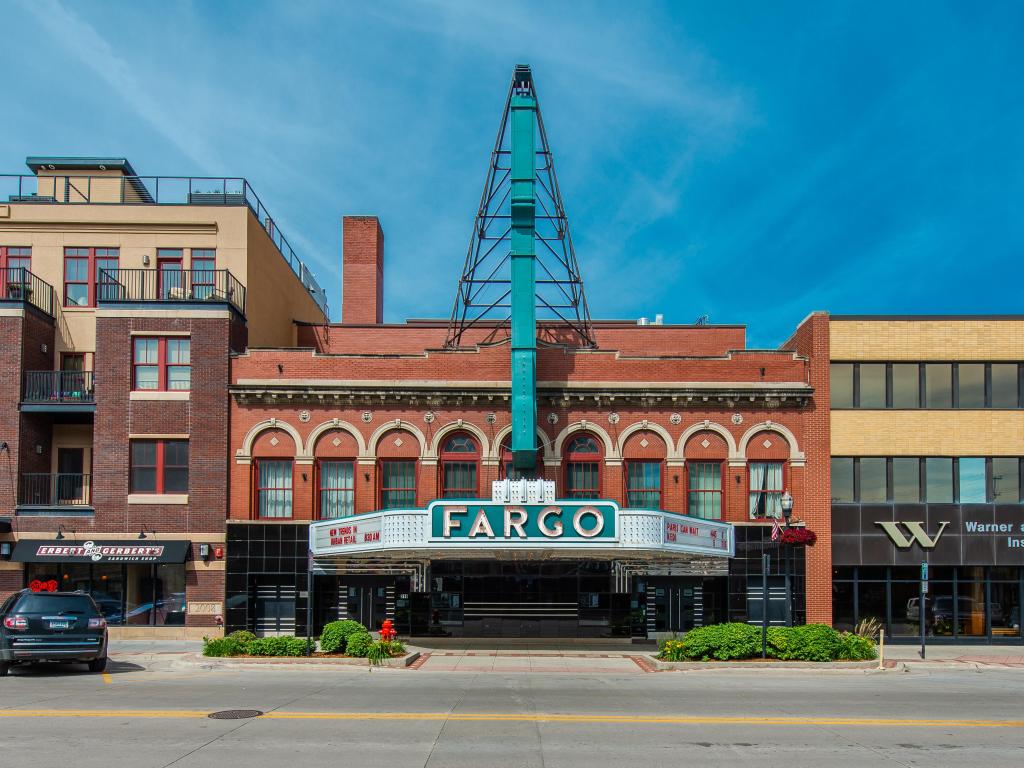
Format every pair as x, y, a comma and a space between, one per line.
808, 642
243, 636
359, 644
336, 634
221, 646
379, 651
719, 641
277, 646
856, 647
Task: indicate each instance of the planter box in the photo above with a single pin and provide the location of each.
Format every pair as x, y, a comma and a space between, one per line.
399, 662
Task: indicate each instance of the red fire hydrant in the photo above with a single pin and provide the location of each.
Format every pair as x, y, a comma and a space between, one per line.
387, 630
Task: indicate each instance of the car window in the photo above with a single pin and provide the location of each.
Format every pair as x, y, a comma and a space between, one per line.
80, 604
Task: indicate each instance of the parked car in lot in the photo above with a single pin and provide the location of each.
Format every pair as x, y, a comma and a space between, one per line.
52, 627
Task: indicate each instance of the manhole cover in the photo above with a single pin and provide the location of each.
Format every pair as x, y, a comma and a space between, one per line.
234, 714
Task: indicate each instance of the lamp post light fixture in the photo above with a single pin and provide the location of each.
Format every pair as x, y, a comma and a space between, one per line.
142, 532
787, 513
60, 532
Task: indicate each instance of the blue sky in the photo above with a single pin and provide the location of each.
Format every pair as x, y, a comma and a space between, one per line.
749, 161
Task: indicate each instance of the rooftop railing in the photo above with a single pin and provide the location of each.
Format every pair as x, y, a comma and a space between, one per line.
213, 285
156, 190
18, 284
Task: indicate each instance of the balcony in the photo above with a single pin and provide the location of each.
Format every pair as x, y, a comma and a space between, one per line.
58, 391
64, 494
180, 285
19, 285
63, 189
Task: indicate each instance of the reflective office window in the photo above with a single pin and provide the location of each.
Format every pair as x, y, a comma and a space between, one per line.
906, 480
938, 477
873, 480
972, 481
938, 385
842, 479
971, 385
872, 385
1004, 385
906, 385
841, 385
1006, 481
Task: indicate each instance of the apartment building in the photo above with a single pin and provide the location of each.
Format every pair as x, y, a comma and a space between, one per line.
122, 298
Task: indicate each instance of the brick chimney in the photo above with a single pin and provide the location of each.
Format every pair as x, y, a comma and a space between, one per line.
362, 278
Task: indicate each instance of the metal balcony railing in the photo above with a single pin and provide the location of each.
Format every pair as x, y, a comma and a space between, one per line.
18, 284
62, 489
120, 285
59, 387
156, 190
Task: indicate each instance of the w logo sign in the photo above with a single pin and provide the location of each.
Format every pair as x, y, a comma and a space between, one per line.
916, 531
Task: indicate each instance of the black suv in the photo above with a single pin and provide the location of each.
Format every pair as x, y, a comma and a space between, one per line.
52, 626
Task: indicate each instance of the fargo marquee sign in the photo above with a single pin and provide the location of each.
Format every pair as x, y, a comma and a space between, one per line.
495, 525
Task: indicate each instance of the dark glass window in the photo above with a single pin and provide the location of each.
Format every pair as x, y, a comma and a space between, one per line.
971, 385
1006, 481
143, 466
906, 479
398, 484
938, 384
459, 459
159, 466
583, 468
938, 473
873, 480
643, 484
704, 491
1004, 385
841, 385
337, 489
906, 385
842, 479
972, 481
872, 385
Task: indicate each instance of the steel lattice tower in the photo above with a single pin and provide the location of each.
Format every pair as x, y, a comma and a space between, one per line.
484, 298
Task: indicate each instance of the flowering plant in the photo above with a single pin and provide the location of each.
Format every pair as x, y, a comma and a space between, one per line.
801, 537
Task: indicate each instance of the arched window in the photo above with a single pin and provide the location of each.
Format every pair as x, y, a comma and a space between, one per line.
508, 472
706, 454
644, 455
583, 467
460, 467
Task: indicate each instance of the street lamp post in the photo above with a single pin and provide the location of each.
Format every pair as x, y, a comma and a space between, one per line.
787, 513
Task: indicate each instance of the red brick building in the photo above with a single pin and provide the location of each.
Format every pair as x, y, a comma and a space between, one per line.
365, 416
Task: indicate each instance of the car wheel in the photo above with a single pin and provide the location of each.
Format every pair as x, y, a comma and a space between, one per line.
98, 665
4, 669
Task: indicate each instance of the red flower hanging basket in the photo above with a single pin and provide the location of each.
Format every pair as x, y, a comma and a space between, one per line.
799, 537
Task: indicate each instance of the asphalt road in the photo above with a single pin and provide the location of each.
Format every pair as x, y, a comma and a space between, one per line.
156, 716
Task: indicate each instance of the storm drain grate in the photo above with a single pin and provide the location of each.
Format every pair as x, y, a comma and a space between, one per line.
234, 714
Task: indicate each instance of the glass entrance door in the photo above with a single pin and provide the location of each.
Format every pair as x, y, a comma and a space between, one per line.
677, 604
367, 604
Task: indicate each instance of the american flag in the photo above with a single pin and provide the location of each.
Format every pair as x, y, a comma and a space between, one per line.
776, 529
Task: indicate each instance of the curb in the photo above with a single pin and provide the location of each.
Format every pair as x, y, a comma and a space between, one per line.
209, 662
823, 666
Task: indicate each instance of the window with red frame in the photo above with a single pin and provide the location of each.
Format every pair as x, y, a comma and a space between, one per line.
273, 488
90, 275
643, 484
583, 468
766, 487
704, 489
204, 261
15, 257
337, 489
158, 466
460, 461
160, 363
397, 484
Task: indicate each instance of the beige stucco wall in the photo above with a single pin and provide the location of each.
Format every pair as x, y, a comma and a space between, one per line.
138, 231
928, 433
938, 339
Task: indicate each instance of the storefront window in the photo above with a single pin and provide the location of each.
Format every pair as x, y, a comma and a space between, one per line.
906, 480
842, 480
905, 608
108, 590
75, 577
938, 474
972, 481
841, 385
939, 608
1005, 391
1005, 605
1006, 481
970, 599
873, 480
938, 381
971, 385
139, 595
906, 385
169, 602
842, 605
871, 601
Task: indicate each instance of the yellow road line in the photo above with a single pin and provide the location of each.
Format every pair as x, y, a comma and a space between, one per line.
106, 678
529, 718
